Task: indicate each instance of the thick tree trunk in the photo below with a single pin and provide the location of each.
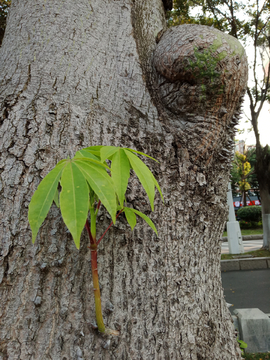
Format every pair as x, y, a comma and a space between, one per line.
263, 175
75, 74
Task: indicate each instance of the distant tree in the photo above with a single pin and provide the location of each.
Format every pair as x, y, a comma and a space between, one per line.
252, 176
243, 170
250, 23
167, 4
4, 6
235, 179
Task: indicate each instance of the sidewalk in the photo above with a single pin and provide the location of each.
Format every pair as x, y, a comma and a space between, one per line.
244, 263
249, 245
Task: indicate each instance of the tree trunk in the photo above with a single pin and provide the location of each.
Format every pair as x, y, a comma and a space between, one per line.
263, 176
75, 74
244, 198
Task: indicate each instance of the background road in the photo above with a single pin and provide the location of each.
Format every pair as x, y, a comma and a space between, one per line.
247, 289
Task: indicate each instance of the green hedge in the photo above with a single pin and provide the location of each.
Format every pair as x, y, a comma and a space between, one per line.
250, 213
250, 224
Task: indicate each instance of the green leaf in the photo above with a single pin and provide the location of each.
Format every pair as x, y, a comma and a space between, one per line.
95, 150
144, 174
242, 344
143, 154
74, 200
43, 197
107, 151
158, 187
101, 183
131, 217
56, 197
61, 162
85, 154
120, 172
146, 218
94, 162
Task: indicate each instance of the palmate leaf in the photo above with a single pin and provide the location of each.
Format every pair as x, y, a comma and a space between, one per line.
43, 197
74, 200
95, 150
101, 183
141, 153
56, 198
144, 174
157, 186
107, 151
84, 180
146, 218
131, 217
86, 154
120, 172
91, 161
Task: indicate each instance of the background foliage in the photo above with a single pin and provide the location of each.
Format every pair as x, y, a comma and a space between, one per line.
4, 6
250, 213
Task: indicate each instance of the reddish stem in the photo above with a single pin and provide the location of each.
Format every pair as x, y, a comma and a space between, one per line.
102, 236
94, 265
87, 226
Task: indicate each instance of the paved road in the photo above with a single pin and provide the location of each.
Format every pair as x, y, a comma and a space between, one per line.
247, 289
249, 245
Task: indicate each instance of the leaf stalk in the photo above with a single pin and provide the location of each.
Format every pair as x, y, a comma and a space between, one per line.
102, 236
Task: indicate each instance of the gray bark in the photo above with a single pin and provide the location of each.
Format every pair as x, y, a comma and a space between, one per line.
75, 74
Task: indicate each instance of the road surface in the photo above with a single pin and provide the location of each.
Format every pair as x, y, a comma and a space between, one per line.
247, 289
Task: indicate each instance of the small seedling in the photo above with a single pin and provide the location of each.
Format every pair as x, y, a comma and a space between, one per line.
86, 182
242, 346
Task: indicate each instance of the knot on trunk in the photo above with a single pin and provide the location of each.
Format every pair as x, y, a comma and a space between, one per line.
200, 69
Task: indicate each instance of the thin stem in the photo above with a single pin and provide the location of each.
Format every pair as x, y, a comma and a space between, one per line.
94, 266
102, 236
93, 222
98, 206
87, 226
99, 317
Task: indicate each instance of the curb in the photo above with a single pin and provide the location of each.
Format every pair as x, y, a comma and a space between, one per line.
245, 264
247, 237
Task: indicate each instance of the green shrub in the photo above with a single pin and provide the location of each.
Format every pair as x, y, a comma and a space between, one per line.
257, 356
250, 213
256, 225
245, 224
250, 224
259, 224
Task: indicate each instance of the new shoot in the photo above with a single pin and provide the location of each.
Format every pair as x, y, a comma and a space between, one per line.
86, 182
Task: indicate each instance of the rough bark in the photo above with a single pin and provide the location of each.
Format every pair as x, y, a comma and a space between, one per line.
263, 175
75, 74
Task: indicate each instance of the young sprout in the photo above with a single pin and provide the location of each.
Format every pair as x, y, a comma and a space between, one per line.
86, 183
